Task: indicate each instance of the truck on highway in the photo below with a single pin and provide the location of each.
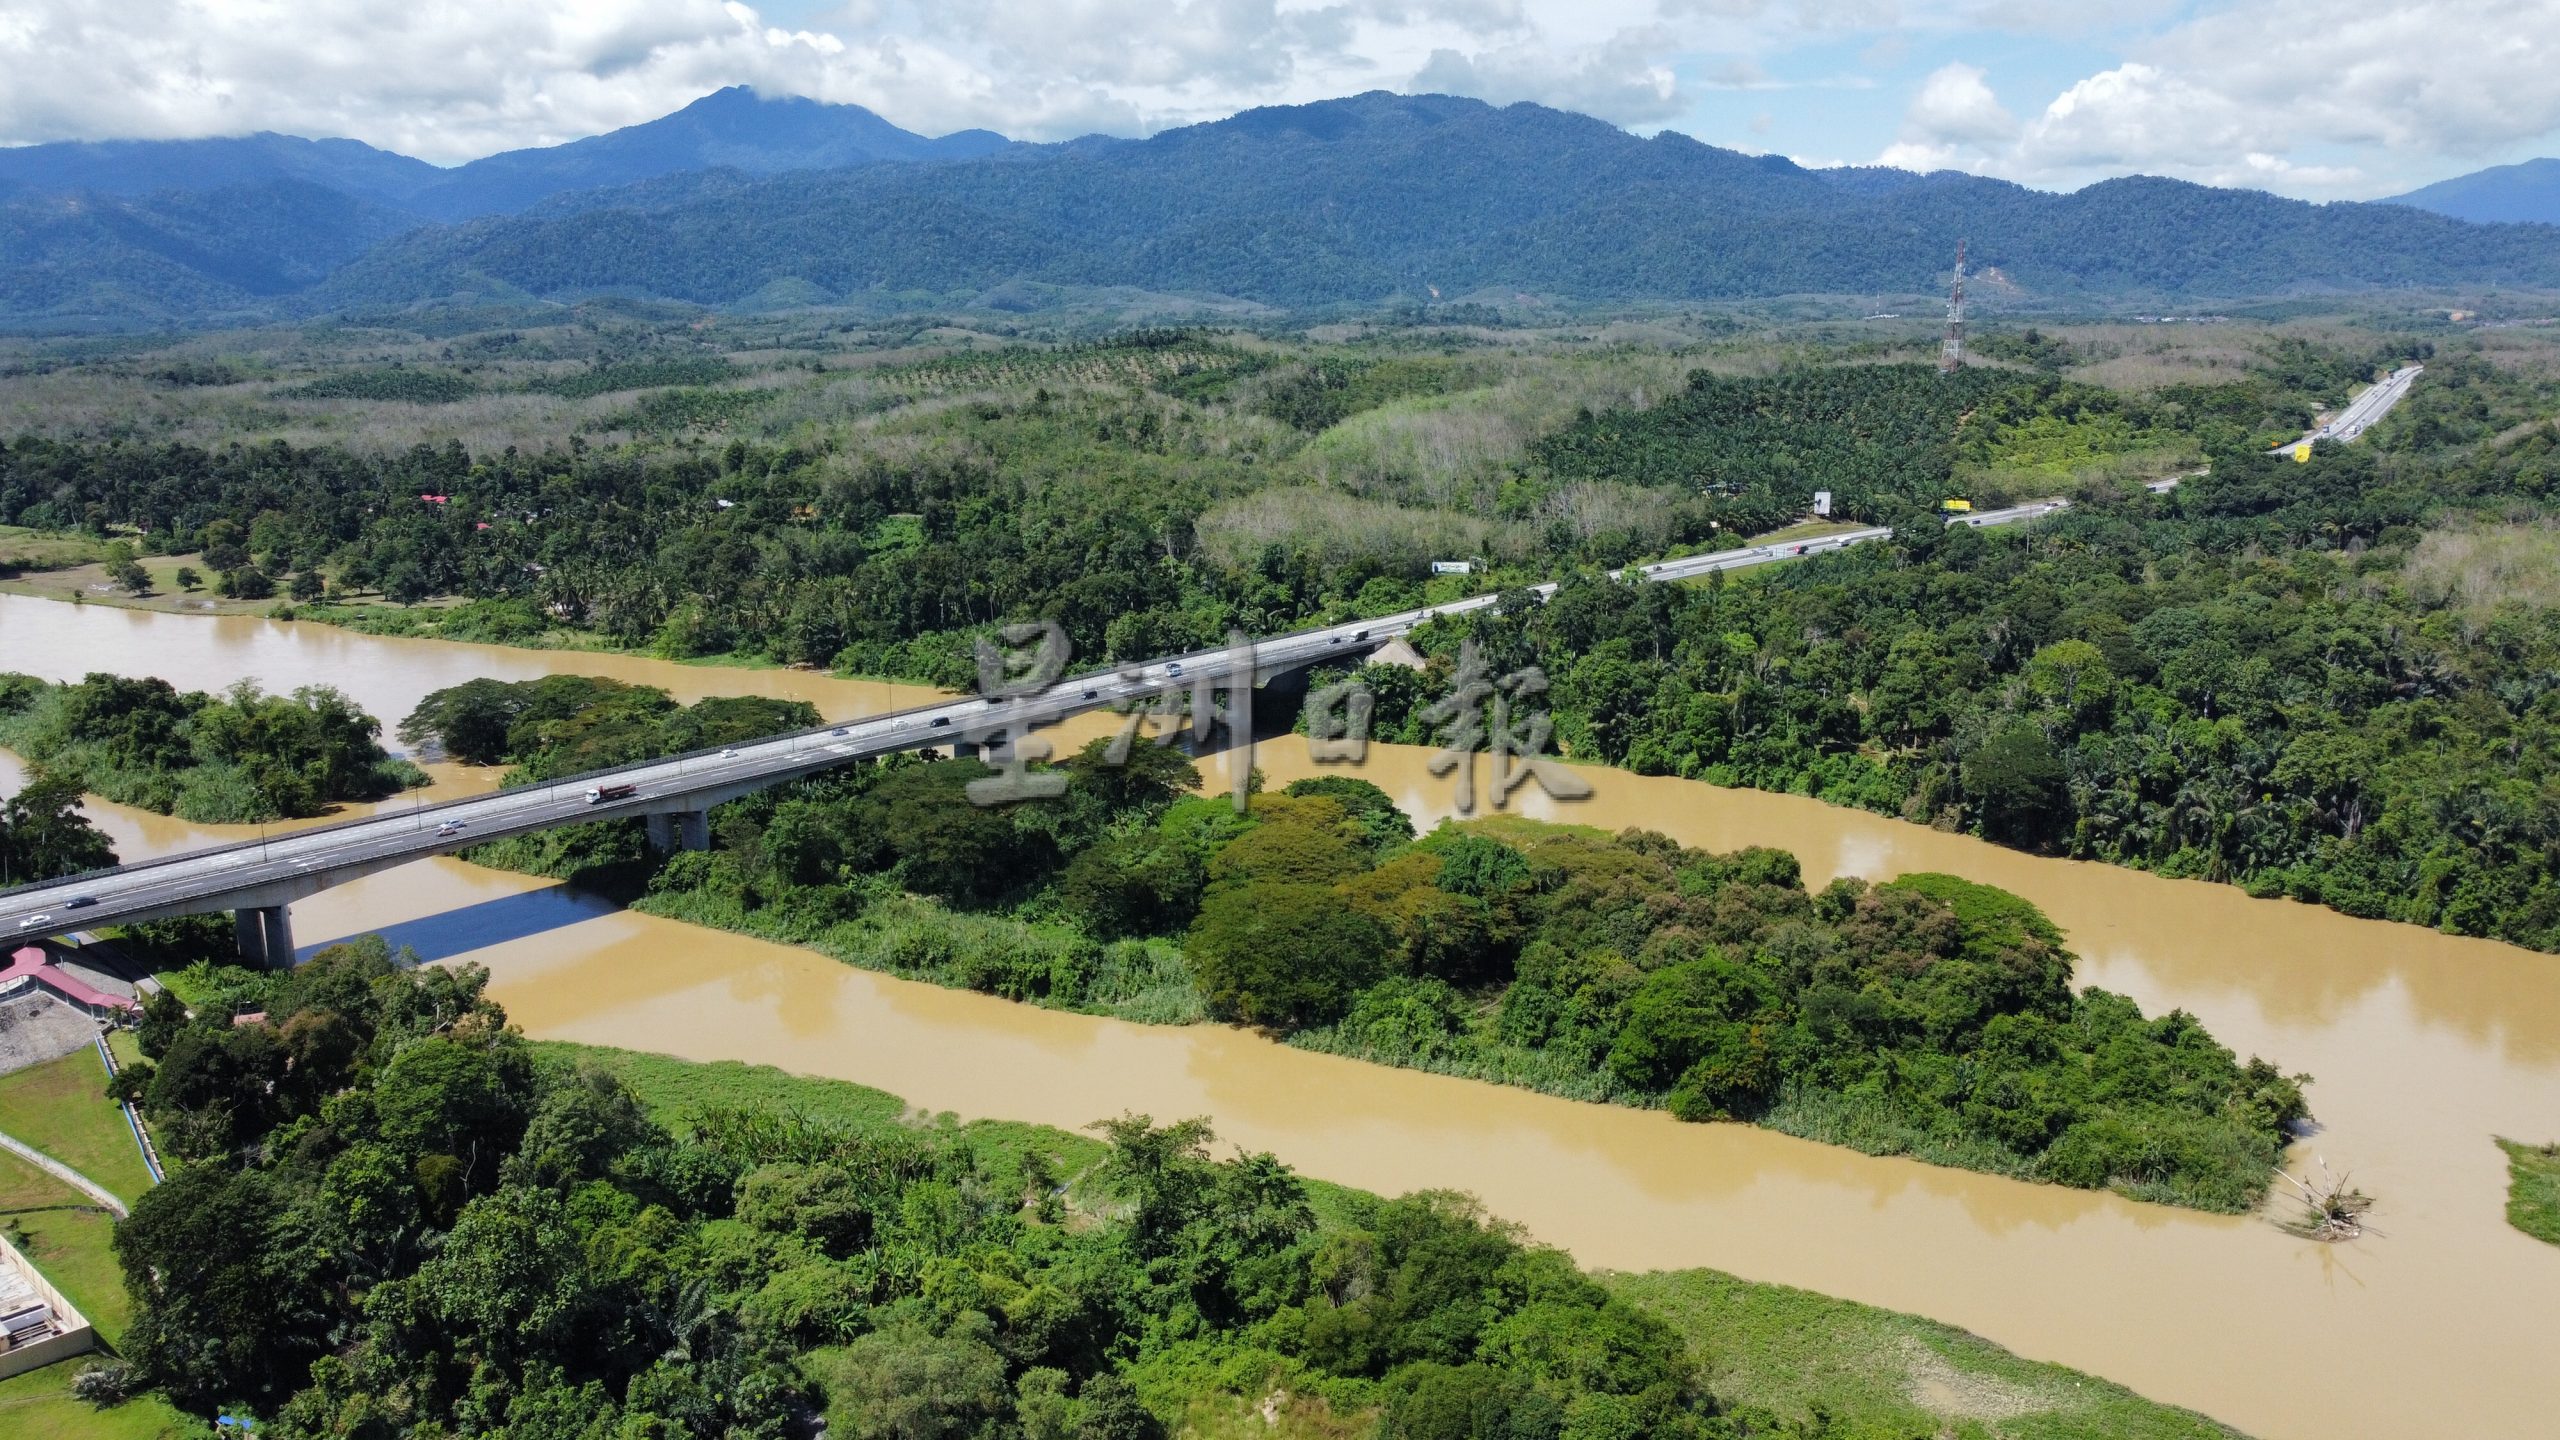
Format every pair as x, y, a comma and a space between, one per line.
599, 794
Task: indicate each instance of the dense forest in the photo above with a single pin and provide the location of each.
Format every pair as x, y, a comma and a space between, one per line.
458, 1235
241, 757
1929, 1016
2268, 678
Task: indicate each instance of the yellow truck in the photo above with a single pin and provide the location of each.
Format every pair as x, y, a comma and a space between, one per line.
1955, 507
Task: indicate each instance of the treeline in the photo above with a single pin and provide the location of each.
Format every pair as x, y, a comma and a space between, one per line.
397, 1218
2236, 682
238, 758
1930, 1017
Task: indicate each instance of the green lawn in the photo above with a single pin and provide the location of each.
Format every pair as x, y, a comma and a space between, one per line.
67, 1236
1883, 1375
68, 1239
2533, 1189
38, 1406
61, 1108
22, 548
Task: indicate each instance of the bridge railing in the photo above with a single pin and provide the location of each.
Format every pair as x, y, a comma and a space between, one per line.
420, 812
355, 822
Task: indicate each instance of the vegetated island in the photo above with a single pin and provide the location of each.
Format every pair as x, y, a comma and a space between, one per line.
241, 757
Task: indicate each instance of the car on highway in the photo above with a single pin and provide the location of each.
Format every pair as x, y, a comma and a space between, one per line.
79, 902
450, 827
1173, 667
839, 732
728, 754
33, 921
941, 719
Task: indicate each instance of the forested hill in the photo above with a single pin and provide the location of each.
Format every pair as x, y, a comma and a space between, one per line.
1351, 200
732, 129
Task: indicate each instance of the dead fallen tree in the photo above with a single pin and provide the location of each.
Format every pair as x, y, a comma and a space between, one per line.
2333, 1209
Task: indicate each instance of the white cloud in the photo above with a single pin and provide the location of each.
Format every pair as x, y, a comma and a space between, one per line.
2257, 94
1955, 106
2313, 98
447, 80
1620, 80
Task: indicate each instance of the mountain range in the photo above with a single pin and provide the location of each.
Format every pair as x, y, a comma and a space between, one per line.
732, 129
2501, 193
744, 200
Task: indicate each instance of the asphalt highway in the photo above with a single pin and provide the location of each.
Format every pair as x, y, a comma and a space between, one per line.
2376, 401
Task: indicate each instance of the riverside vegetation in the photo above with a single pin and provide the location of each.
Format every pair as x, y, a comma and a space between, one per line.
238, 758
462, 1232
1930, 1016
2533, 1195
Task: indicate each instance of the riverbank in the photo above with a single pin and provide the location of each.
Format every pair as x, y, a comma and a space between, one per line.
2426, 1045
1877, 1373
2533, 1194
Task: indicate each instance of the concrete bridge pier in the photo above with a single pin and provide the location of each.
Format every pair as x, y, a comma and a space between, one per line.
265, 935
689, 828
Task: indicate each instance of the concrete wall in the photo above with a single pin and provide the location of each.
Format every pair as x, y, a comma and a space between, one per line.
72, 1332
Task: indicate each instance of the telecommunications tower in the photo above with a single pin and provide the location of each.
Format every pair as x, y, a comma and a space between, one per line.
1951, 352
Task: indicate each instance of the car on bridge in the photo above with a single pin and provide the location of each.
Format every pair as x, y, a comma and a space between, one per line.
450, 827
33, 921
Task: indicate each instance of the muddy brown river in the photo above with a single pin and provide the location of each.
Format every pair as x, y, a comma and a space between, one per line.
2424, 1047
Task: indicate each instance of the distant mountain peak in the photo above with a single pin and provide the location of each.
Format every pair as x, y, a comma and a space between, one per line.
736, 128
2526, 191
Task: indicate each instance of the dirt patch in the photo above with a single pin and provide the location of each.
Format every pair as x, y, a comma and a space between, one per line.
36, 1027
1942, 1389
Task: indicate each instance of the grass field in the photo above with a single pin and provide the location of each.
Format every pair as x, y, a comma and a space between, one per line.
2533, 1189
60, 1108
1880, 1374
68, 1238
25, 549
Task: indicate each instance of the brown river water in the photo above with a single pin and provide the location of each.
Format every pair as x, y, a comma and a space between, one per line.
2424, 1046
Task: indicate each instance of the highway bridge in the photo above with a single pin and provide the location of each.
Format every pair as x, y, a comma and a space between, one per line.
258, 879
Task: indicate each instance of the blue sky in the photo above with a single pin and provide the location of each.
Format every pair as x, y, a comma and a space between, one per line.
2323, 99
